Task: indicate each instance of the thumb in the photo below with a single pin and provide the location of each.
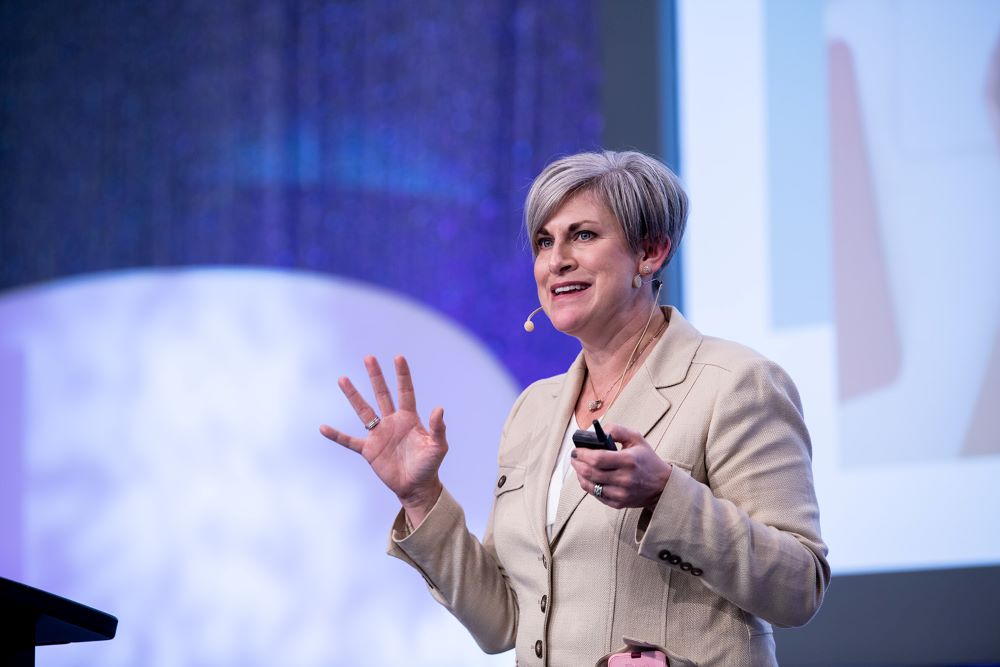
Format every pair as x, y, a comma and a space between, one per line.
625, 437
436, 425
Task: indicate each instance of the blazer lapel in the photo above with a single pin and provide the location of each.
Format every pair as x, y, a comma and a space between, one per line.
569, 498
543, 459
641, 404
639, 407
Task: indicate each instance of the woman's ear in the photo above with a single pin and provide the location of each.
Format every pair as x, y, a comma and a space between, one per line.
656, 255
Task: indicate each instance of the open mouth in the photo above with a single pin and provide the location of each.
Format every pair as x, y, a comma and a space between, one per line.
569, 288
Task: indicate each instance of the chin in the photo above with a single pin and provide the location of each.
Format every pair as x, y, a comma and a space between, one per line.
566, 323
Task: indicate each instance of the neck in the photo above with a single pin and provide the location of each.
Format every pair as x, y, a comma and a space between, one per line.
607, 359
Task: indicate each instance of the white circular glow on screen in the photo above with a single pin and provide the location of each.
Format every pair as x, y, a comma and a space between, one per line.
174, 475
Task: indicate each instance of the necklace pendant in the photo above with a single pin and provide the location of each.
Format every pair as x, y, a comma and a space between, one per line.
595, 405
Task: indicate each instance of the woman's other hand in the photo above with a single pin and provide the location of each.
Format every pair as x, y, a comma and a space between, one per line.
404, 455
631, 477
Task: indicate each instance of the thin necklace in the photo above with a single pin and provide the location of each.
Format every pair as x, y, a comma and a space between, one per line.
598, 402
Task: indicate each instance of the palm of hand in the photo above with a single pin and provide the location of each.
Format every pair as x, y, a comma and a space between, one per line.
402, 453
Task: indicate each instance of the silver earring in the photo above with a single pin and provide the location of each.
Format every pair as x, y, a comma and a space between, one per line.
637, 281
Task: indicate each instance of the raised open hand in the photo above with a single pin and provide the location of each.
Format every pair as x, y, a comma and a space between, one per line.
404, 455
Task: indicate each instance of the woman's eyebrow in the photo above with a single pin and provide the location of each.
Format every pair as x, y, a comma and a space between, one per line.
573, 226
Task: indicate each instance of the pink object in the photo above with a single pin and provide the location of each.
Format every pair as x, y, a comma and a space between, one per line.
639, 659
868, 346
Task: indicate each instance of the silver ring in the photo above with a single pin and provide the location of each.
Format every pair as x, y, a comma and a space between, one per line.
598, 490
373, 423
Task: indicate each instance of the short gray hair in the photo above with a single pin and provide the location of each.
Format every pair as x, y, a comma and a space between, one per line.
641, 192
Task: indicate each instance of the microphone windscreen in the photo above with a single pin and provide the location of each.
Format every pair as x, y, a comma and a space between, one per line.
529, 326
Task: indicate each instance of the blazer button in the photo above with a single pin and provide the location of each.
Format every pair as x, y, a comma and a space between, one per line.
545, 562
664, 555
686, 566
545, 601
501, 481
674, 560
538, 648
696, 571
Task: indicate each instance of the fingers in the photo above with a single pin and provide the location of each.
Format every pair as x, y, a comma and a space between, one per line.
600, 459
381, 389
596, 466
594, 475
631, 477
352, 443
404, 385
436, 426
361, 408
610, 495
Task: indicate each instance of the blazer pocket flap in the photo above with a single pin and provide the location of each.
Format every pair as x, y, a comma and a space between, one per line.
509, 478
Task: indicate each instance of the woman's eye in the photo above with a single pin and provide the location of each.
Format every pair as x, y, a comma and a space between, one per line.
585, 235
543, 243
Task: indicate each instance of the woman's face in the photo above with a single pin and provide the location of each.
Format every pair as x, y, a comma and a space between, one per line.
584, 270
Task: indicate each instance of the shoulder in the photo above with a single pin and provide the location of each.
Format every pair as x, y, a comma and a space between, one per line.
727, 355
529, 418
736, 367
744, 376
538, 395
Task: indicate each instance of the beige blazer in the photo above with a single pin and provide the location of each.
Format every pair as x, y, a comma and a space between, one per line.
732, 547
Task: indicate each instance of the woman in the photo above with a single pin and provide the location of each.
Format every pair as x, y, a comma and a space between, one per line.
697, 535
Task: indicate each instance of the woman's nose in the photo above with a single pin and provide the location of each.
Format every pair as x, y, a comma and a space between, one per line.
561, 258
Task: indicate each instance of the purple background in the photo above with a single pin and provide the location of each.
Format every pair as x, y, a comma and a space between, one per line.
385, 141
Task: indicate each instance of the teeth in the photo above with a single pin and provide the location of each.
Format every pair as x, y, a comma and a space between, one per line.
569, 288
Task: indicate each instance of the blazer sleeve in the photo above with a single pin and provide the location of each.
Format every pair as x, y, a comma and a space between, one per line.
462, 573
751, 533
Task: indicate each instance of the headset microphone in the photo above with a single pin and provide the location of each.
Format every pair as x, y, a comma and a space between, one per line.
529, 326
